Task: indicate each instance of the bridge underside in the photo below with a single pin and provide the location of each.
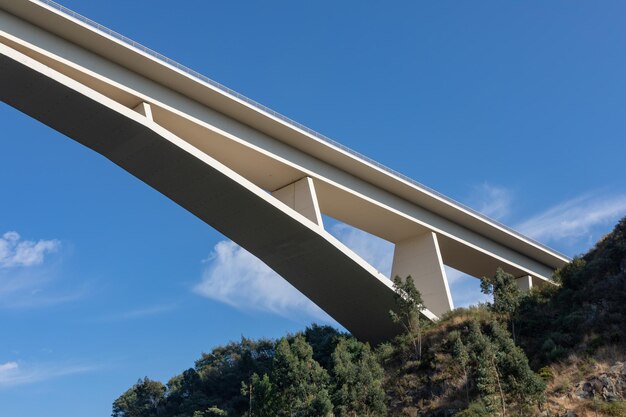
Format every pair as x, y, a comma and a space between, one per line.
319, 266
260, 182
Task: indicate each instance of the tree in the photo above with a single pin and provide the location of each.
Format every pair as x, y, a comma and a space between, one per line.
142, 400
300, 384
262, 397
500, 370
323, 340
506, 295
185, 394
522, 385
409, 308
461, 355
223, 369
487, 375
358, 380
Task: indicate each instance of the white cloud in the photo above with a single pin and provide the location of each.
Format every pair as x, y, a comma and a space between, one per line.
239, 279
7, 368
575, 220
14, 373
490, 200
16, 252
27, 273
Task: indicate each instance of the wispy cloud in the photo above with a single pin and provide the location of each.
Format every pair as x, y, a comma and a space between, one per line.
28, 269
16, 373
235, 277
137, 314
41, 298
15, 251
491, 200
575, 219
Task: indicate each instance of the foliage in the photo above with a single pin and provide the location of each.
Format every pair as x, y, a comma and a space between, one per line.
586, 312
228, 381
546, 373
300, 384
474, 409
358, 380
409, 306
323, 340
506, 294
142, 400
261, 395
210, 412
612, 408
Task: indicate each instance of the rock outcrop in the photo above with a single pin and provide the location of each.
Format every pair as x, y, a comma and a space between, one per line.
608, 386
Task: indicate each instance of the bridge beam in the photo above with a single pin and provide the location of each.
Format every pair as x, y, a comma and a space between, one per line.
420, 258
301, 197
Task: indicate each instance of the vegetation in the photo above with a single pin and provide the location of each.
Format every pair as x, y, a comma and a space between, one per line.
408, 312
586, 312
468, 364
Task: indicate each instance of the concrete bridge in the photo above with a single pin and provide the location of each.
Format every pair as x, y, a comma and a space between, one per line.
257, 177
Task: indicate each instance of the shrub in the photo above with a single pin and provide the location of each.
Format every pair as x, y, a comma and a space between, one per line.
613, 408
474, 409
546, 373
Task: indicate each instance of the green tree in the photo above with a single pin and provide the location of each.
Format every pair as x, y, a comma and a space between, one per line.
142, 400
300, 384
506, 295
261, 396
524, 388
408, 313
461, 355
500, 369
185, 394
323, 340
358, 380
223, 369
486, 373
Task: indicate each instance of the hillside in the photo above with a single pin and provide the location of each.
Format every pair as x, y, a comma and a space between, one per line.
557, 351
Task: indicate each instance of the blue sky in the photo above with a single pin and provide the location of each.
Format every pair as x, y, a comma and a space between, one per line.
516, 109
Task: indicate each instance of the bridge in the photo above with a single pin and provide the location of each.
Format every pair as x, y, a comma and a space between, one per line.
259, 178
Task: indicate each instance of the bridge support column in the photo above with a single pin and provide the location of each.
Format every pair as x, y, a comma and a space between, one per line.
301, 197
524, 283
420, 257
